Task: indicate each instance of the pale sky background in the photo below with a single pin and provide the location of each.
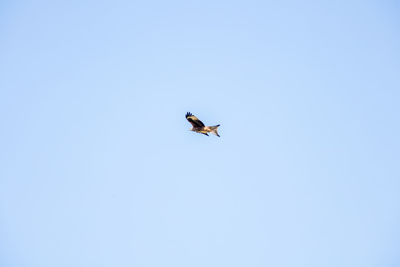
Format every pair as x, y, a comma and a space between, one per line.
99, 168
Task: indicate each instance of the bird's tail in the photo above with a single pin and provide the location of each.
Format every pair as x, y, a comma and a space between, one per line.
214, 129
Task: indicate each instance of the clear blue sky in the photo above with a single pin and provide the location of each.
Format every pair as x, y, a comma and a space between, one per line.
99, 168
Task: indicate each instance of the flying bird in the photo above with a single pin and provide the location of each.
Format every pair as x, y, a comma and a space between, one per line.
199, 127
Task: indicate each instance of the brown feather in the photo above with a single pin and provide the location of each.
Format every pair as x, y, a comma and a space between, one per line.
194, 120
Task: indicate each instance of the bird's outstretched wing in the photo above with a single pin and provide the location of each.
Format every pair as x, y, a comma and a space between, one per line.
194, 120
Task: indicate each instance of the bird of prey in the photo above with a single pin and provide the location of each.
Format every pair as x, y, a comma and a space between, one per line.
199, 127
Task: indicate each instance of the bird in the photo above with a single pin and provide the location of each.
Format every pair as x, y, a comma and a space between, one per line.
199, 127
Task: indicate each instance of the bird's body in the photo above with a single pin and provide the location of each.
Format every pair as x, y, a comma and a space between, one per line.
199, 126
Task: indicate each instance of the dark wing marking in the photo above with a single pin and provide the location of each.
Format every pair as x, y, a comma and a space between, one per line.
194, 120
